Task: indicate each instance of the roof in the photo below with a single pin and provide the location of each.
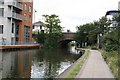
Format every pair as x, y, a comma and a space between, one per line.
112, 11
39, 23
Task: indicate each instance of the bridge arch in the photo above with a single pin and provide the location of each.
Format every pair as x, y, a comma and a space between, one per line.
66, 38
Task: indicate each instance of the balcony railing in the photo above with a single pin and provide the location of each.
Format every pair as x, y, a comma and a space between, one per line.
1, 2
15, 15
16, 4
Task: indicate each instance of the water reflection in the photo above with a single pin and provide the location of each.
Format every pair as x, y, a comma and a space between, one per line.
36, 63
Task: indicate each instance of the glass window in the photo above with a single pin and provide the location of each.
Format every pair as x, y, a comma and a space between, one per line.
26, 34
1, 29
25, 6
29, 18
12, 27
25, 17
1, 11
30, 9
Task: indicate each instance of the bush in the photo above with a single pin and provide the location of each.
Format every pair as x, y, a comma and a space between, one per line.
52, 40
111, 59
111, 41
41, 38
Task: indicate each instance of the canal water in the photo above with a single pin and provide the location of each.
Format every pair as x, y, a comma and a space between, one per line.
36, 63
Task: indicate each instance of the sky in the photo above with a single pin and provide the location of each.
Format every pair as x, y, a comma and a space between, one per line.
73, 13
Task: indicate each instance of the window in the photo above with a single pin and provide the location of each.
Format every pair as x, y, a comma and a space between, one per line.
25, 17
26, 34
1, 11
12, 41
25, 6
1, 29
29, 18
12, 27
30, 9
16, 34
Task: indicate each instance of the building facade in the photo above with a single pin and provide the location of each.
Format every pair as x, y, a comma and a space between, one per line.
39, 27
119, 5
15, 21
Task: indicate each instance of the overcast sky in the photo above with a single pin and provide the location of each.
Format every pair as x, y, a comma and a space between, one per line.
74, 12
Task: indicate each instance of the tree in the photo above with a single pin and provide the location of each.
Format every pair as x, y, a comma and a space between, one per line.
85, 33
112, 39
41, 38
88, 32
102, 25
52, 22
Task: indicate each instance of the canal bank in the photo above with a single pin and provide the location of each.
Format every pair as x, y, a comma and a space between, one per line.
93, 67
73, 66
18, 47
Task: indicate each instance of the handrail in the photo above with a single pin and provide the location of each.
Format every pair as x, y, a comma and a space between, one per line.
17, 15
16, 4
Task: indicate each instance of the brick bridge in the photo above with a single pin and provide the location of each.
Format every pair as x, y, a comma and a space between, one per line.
65, 39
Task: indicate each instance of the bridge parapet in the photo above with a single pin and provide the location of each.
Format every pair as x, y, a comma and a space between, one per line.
68, 36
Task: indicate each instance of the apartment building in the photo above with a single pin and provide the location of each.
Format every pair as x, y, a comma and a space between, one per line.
15, 21
119, 5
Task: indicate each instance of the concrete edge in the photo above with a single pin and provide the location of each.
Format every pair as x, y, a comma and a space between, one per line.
66, 72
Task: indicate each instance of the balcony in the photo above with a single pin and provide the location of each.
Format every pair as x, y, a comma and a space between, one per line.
15, 16
16, 4
1, 2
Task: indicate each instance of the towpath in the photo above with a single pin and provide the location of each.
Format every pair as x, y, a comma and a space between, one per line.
95, 67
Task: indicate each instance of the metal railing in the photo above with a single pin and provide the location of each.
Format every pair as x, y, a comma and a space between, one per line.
25, 43
18, 43
1, 2
16, 4
16, 16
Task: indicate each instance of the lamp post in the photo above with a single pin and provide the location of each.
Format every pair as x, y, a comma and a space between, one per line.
34, 15
99, 40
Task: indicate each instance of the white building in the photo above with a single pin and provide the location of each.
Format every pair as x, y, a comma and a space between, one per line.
39, 27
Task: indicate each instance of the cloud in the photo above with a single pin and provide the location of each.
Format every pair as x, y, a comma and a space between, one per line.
74, 12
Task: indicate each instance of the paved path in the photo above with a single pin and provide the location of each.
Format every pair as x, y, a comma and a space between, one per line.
95, 67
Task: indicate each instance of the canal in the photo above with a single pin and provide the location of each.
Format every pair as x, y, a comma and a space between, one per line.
36, 63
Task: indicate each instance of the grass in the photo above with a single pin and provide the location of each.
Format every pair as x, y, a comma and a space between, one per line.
111, 59
77, 68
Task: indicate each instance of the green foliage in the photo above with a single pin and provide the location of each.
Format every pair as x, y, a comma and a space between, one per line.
88, 32
52, 40
78, 67
52, 22
103, 24
112, 60
112, 41
41, 38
